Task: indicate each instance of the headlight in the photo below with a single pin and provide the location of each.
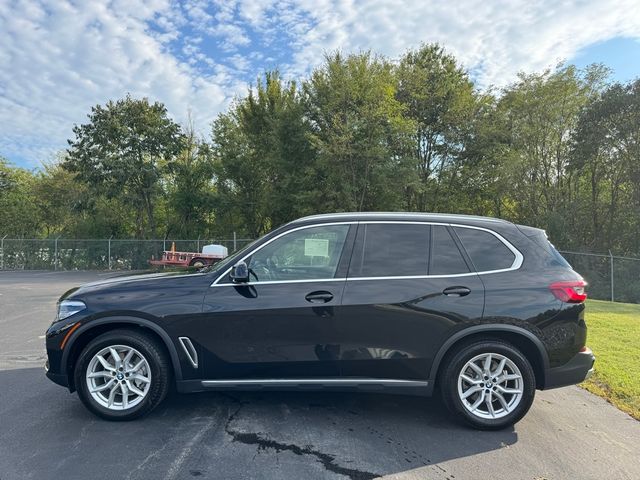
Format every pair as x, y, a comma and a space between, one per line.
66, 308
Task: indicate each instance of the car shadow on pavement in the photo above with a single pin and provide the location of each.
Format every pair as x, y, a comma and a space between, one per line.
231, 435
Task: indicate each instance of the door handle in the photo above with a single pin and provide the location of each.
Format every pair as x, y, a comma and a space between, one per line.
456, 291
319, 297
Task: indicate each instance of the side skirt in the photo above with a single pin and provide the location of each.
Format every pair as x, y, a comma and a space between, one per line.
405, 387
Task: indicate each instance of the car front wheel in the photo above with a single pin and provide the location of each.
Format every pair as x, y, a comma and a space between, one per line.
122, 375
489, 384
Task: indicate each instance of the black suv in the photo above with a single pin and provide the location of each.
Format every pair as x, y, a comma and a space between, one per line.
484, 310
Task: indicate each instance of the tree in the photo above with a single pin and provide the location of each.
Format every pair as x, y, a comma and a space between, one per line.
123, 151
440, 100
359, 132
18, 213
540, 114
264, 160
607, 155
190, 190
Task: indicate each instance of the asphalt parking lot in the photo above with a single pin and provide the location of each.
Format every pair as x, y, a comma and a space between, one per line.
45, 432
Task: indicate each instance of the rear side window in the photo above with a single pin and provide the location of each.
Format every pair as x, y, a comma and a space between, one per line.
487, 252
390, 250
446, 258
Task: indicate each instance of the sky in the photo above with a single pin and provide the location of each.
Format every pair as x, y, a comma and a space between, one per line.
60, 57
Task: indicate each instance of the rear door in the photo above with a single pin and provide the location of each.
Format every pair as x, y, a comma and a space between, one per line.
408, 287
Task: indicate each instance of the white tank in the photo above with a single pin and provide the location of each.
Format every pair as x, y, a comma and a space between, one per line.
218, 250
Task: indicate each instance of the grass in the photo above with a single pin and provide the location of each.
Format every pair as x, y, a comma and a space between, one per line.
614, 336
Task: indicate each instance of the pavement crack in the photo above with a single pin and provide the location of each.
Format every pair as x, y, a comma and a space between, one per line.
263, 442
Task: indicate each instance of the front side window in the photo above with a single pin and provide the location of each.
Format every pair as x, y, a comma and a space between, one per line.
307, 254
390, 250
486, 250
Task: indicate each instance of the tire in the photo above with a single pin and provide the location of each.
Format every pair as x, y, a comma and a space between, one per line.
198, 263
491, 412
151, 377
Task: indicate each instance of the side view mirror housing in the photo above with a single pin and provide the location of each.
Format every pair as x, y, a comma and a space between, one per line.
239, 273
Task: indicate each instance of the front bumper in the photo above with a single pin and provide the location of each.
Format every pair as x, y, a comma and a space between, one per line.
59, 378
576, 370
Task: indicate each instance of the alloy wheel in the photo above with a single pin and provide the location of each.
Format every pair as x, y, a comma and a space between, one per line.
118, 377
490, 386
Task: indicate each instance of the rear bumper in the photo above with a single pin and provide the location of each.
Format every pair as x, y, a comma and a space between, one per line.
576, 370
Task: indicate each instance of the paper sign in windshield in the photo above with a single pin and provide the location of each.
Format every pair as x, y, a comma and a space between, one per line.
316, 247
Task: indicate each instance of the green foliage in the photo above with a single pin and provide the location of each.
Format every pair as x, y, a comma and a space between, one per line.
123, 151
264, 161
359, 132
18, 214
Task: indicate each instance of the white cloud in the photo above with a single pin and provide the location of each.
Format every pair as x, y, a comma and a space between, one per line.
498, 38
60, 57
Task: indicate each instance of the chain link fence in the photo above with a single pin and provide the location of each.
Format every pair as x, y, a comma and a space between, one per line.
610, 277
96, 254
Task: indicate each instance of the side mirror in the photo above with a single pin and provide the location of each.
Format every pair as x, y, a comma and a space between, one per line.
239, 273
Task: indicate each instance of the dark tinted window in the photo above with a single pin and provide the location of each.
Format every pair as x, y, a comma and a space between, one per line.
389, 250
446, 258
487, 252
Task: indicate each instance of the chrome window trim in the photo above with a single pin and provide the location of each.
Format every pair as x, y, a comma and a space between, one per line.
190, 350
517, 262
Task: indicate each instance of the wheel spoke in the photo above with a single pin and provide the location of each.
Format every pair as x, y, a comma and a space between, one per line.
105, 364
103, 387
500, 367
472, 381
127, 358
116, 357
487, 364
125, 395
502, 401
137, 366
489, 403
512, 391
471, 391
112, 395
102, 373
476, 368
140, 378
478, 402
135, 389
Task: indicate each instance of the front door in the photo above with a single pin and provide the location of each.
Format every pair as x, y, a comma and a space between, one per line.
408, 287
283, 323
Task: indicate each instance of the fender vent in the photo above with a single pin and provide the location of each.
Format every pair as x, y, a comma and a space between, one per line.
190, 350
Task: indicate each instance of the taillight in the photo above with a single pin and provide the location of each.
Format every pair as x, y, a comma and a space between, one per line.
570, 292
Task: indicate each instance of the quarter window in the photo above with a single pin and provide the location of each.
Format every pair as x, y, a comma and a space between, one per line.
446, 258
307, 254
390, 250
487, 252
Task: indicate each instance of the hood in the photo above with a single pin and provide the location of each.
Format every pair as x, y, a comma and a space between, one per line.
121, 281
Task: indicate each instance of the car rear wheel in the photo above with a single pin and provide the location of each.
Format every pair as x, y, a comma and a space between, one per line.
489, 384
122, 375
